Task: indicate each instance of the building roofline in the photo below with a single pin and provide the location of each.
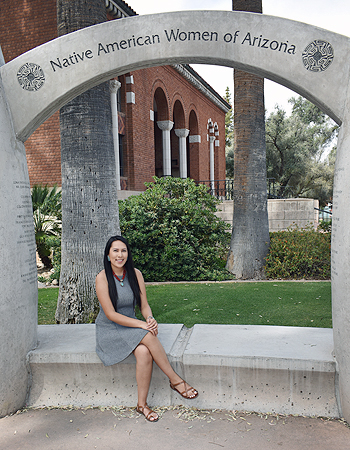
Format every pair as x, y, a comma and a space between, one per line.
209, 91
119, 9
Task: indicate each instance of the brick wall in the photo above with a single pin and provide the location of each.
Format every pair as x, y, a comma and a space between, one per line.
43, 150
24, 25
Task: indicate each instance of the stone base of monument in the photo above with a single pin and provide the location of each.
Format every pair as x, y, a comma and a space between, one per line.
284, 370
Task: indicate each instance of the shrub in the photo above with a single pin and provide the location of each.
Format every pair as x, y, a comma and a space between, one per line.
325, 225
299, 253
55, 244
174, 232
47, 215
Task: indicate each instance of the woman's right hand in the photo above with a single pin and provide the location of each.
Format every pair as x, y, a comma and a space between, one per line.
152, 326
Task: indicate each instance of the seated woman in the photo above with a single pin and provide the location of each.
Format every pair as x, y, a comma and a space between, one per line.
120, 287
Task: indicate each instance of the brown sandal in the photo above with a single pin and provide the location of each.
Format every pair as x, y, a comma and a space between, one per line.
185, 392
149, 417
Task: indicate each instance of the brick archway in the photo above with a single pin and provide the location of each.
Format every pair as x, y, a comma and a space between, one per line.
161, 113
193, 146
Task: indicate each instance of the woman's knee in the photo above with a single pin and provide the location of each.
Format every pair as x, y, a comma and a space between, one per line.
149, 340
142, 354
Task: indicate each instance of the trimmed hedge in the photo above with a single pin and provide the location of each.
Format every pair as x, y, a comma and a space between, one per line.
299, 253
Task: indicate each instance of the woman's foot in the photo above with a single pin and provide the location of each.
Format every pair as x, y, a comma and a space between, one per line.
150, 415
185, 390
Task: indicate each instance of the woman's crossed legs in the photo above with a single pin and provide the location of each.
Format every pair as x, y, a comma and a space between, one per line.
150, 349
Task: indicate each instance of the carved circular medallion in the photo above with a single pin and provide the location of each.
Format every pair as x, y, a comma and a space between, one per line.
31, 77
318, 56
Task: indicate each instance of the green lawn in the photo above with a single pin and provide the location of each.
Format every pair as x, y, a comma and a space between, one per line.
287, 303
47, 302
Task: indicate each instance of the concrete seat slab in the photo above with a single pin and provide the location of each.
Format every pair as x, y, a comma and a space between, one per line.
311, 345
287, 370
77, 343
65, 369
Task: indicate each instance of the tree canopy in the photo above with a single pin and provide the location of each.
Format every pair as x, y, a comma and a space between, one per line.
299, 152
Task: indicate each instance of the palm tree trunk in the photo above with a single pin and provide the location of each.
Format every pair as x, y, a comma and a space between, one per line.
89, 190
250, 232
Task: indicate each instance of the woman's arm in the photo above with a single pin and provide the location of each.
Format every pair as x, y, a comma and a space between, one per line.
108, 308
145, 308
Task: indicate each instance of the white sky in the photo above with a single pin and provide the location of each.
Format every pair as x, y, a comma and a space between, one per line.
332, 15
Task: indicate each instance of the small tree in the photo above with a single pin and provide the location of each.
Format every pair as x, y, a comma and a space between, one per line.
47, 214
174, 232
229, 136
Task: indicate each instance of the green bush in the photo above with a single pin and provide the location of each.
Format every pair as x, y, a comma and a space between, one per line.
174, 232
325, 225
47, 215
299, 253
54, 243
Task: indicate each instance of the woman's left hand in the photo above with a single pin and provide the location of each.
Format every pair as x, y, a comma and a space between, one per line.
152, 325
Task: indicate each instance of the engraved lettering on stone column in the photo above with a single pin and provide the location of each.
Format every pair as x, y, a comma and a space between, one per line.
25, 225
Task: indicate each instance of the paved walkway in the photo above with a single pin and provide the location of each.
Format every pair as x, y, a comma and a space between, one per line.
118, 428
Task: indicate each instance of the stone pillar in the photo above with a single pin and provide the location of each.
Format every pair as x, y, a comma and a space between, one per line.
212, 176
18, 271
341, 263
182, 134
114, 85
166, 126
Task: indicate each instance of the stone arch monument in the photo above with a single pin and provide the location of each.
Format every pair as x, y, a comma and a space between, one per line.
311, 61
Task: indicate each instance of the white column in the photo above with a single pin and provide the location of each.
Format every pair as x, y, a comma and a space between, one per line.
166, 126
182, 134
212, 141
114, 85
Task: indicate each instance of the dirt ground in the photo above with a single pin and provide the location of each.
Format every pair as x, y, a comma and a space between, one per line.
179, 427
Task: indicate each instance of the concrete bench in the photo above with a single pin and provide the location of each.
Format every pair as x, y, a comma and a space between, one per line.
286, 370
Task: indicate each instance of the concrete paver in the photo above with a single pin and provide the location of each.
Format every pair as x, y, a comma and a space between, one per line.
182, 427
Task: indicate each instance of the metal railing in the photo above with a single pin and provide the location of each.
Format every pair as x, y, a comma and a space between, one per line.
276, 190
324, 214
223, 189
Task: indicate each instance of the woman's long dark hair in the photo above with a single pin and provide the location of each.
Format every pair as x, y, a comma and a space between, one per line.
130, 270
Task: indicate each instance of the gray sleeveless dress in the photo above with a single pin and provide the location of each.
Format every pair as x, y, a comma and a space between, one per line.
115, 342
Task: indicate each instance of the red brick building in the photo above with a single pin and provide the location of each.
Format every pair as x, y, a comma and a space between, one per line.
169, 120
